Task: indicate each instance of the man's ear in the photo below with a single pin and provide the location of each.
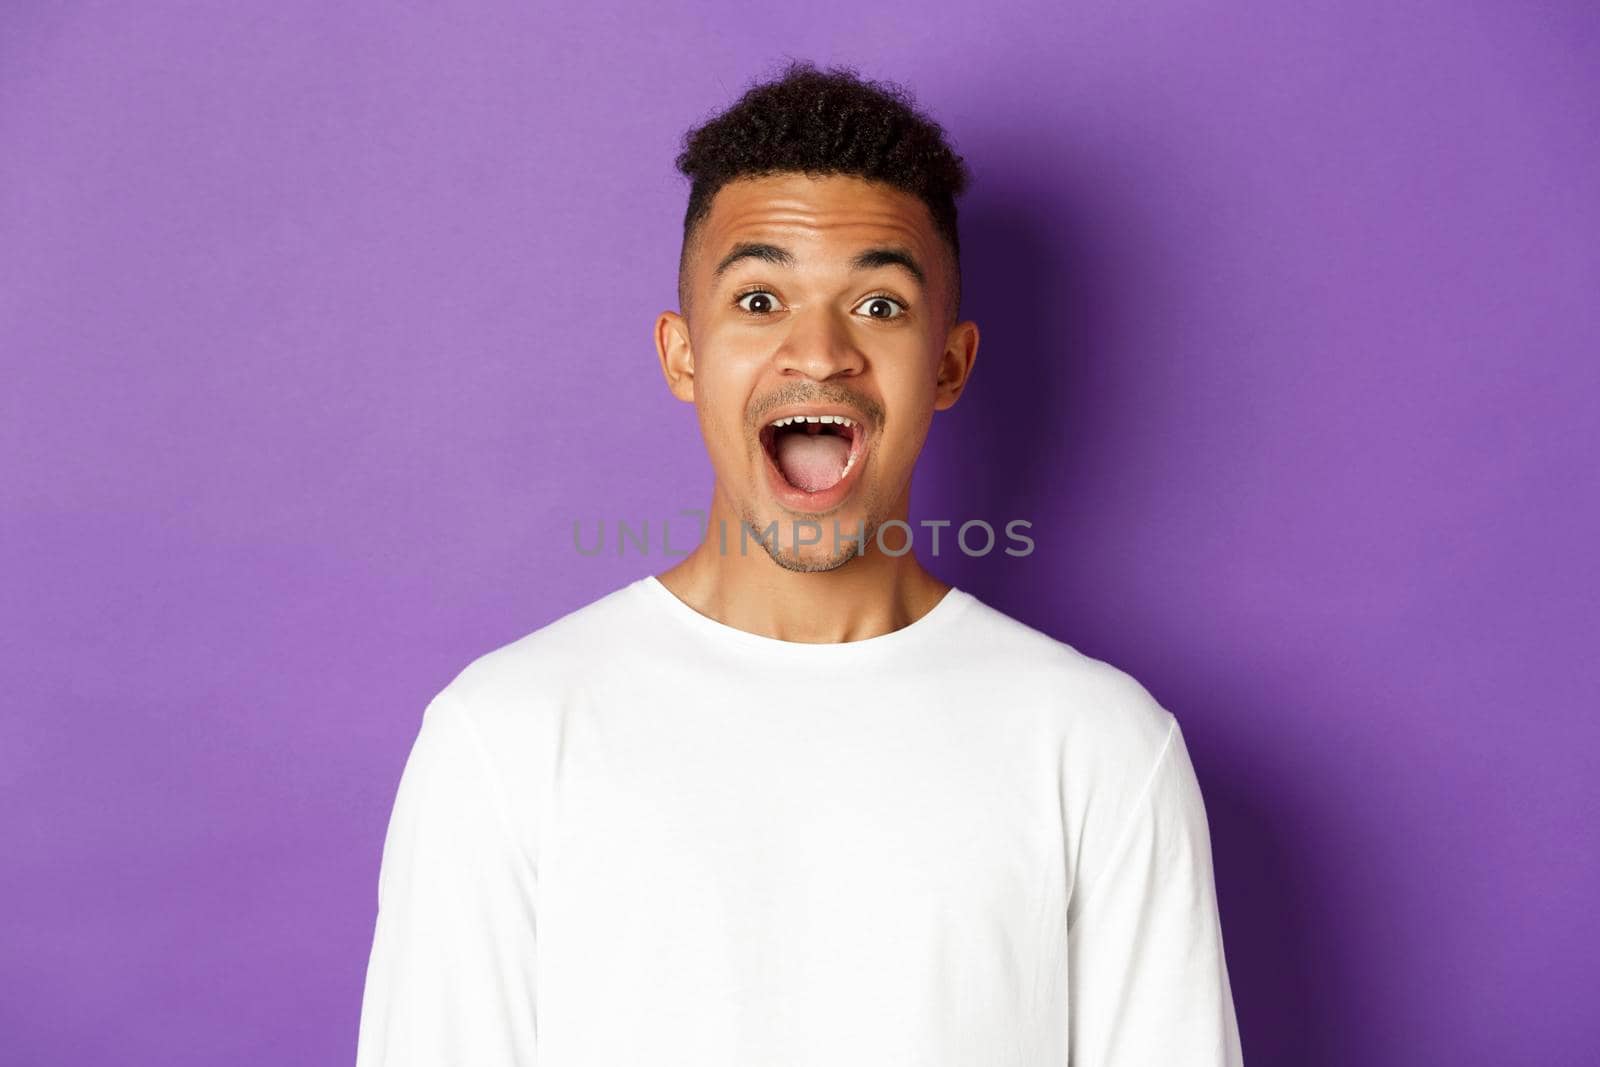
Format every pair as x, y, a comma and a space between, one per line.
955, 364
677, 358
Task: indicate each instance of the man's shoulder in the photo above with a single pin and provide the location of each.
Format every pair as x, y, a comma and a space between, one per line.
1092, 703
570, 650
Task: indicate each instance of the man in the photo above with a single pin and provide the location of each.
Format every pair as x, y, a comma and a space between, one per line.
795, 801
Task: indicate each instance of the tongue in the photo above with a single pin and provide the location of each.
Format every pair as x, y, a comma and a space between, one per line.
812, 462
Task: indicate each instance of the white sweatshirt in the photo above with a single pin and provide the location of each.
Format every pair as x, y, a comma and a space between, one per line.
639, 836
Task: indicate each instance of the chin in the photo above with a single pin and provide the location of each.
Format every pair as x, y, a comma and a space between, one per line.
812, 558
779, 532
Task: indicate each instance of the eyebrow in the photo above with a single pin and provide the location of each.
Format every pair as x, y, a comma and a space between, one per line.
871, 259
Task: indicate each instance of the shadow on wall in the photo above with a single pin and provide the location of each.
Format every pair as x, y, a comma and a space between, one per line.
1061, 304
1025, 440
1311, 965
1265, 901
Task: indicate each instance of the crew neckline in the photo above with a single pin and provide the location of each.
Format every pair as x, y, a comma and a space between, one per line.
927, 624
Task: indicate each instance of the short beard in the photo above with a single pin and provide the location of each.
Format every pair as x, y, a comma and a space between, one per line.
847, 549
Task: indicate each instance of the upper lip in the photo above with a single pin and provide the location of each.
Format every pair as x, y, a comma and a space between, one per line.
856, 418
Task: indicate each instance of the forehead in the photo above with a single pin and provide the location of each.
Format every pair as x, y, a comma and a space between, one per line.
839, 212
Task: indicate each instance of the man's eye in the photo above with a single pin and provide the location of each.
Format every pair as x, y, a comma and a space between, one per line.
765, 302
882, 307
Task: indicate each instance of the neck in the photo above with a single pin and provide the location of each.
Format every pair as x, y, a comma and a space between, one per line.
872, 594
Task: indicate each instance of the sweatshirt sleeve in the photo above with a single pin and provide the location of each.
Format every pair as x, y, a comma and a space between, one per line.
450, 977
1148, 980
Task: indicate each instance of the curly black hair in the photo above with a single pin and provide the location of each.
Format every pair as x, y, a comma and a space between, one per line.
824, 122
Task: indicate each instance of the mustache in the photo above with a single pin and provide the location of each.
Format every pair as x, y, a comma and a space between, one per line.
815, 393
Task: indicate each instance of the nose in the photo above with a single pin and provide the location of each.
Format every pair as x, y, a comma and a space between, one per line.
819, 345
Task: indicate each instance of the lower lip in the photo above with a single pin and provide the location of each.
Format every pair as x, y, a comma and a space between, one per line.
823, 500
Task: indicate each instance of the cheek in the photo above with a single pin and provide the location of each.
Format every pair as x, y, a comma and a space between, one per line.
908, 395
904, 443
722, 394
719, 425
726, 368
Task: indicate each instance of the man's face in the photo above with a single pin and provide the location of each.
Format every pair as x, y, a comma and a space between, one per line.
804, 300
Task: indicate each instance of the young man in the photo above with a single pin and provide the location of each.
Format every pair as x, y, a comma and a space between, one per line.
795, 801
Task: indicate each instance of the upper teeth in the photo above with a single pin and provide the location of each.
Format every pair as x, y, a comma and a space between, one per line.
840, 419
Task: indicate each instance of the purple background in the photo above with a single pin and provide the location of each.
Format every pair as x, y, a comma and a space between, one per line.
321, 326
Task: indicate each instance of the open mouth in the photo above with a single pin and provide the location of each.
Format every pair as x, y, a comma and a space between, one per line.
813, 453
